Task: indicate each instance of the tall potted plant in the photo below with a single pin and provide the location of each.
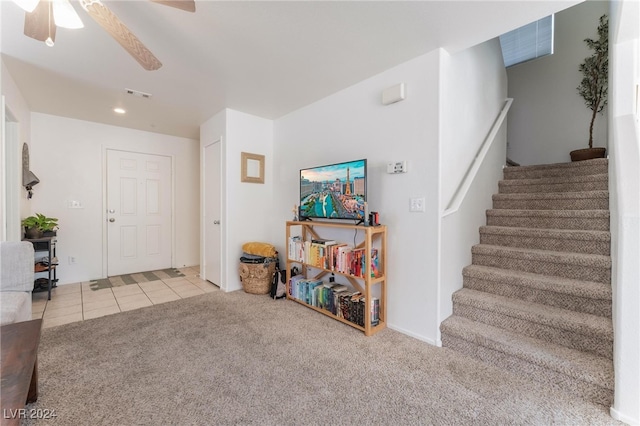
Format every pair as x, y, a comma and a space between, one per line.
594, 85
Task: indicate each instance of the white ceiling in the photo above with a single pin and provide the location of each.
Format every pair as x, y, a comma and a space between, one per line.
264, 58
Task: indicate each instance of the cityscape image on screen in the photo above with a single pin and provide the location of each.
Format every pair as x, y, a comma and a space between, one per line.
336, 191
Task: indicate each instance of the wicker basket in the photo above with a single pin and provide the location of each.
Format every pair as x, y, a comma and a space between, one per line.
256, 277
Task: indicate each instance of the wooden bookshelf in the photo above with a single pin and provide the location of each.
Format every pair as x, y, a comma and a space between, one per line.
366, 237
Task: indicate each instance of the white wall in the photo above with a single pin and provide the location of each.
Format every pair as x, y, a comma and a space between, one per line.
353, 124
468, 89
474, 89
68, 157
19, 132
16, 103
247, 207
624, 183
548, 118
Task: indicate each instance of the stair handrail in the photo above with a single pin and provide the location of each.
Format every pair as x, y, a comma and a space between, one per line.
465, 183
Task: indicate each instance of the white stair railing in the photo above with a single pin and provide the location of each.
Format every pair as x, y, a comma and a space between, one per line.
461, 192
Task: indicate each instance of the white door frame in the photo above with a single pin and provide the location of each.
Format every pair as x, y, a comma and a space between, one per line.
11, 180
223, 222
105, 218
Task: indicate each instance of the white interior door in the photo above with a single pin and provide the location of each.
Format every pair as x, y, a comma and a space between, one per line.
139, 212
212, 225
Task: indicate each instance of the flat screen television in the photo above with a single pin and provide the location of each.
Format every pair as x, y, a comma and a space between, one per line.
334, 191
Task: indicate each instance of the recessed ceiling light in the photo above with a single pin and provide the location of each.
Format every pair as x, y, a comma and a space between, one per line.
119, 110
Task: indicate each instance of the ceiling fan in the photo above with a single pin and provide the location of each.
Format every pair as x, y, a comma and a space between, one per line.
43, 16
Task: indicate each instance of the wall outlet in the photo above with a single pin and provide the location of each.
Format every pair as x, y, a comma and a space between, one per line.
72, 260
397, 167
417, 205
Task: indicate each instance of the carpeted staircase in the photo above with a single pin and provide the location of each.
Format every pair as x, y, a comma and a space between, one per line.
537, 297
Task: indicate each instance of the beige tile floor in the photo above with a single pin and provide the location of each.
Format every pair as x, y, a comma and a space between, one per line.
78, 302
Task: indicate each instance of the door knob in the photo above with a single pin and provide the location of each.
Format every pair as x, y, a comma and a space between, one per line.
216, 222
112, 220
111, 211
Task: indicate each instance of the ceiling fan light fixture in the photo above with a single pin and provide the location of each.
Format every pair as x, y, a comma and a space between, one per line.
65, 16
27, 5
88, 3
49, 42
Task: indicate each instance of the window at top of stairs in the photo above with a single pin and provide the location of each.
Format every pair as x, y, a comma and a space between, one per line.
528, 42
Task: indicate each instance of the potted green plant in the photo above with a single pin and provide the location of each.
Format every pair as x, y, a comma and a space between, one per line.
39, 225
594, 85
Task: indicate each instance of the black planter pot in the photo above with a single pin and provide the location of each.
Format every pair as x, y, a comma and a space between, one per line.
32, 233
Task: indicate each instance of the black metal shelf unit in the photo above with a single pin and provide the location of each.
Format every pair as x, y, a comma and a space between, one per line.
42, 245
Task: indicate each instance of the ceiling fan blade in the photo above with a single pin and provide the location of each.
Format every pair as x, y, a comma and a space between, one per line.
188, 5
114, 26
39, 24
27, 5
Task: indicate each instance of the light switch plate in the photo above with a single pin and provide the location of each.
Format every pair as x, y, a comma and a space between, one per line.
417, 205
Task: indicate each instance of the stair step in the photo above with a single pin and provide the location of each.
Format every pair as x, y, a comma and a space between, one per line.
594, 220
585, 200
587, 375
555, 184
576, 295
578, 168
537, 298
569, 240
576, 330
589, 267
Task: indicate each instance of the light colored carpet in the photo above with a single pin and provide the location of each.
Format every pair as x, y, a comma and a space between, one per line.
236, 358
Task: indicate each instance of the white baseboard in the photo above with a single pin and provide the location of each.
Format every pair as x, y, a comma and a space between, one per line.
414, 335
623, 418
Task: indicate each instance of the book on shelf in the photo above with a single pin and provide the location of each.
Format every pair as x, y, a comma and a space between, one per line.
333, 256
295, 248
307, 250
359, 310
344, 300
334, 298
340, 287
334, 251
323, 241
336, 308
312, 294
325, 296
343, 255
375, 311
355, 262
375, 263
294, 285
